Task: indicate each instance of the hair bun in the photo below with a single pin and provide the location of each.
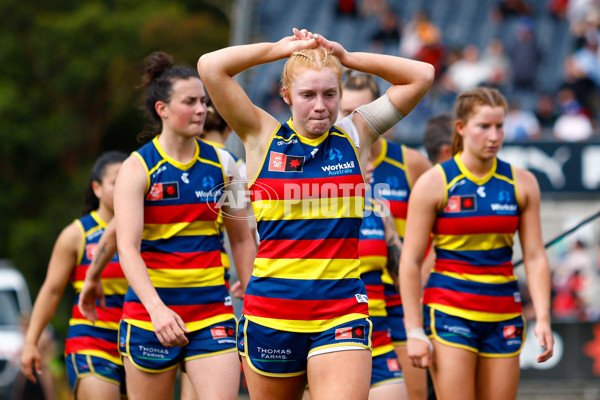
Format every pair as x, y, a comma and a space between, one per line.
156, 64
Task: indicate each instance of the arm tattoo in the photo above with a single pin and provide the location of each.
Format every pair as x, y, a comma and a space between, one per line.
393, 247
99, 255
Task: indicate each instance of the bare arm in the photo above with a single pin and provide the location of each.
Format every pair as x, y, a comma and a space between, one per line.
410, 79
417, 164
535, 259
62, 262
394, 245
92, 286
243, 244
129, 214
425, 200
217, 70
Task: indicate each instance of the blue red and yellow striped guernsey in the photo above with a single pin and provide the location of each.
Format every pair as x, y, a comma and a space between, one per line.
100, 338
180, 240
308, 197
473, 237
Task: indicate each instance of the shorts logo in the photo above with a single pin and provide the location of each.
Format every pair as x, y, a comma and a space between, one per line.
511, 331
393, 364
221, 332
163, 191
357, 332
460, 203
280, 162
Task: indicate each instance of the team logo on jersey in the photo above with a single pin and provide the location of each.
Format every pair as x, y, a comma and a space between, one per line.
90, 250
185, 177
460, 203
356, 332
221, 332
280, 162
163, 191
512, 331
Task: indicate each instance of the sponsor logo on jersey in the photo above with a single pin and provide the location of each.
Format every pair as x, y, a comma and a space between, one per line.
90, 250
280, 162
163, 191
460, 203
356, 332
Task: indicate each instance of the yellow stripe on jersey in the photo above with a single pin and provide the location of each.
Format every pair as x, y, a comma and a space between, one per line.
109, 285
386, 277
325, 208
310, 268
377, 308
400, 225
481, 278
196, 228
479, 242
473, 315
192, 326
182, 278
294, 325
372, 263
98, 324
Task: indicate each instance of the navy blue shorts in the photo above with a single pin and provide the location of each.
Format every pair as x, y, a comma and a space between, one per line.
487, 339
386, 370
146, 353
82, 365
276, 353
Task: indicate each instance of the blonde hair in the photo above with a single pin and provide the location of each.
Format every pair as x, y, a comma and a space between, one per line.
465, 106
316, 58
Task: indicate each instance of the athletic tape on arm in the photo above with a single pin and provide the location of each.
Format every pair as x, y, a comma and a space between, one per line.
381, 115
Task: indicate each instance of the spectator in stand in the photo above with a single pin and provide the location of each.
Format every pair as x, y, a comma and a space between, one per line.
546, 113
499, 63
525, 56
466, 73
387, 38
417, 32
573, 124
369, 8
346, 8
520, 124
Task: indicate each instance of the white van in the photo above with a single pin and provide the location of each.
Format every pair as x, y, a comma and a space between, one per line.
15, 304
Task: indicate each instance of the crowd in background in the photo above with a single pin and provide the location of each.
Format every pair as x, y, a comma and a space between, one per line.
562, 106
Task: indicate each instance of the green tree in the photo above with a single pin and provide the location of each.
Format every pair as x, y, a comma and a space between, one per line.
69, 72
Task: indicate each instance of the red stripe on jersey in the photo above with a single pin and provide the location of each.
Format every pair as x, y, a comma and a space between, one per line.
196, 312
460, 267
398, 208
78, 344
194, 260
375, 292
469, 301
380, 338
372, 247
301, 309
112, 270
106, 315
318, 249
312, 188
475, 225
180, 213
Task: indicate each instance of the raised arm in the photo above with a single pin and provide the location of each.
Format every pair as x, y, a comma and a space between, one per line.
410, 79
130, 188
217, 70
425, 200
535, 259
92, 286
62, 261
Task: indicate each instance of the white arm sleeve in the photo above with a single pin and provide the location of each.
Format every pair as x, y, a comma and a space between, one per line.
381, 115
